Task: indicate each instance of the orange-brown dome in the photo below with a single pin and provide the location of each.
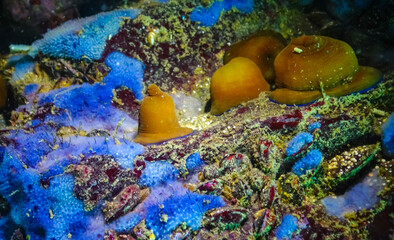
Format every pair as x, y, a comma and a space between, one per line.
261, 48
157, 118
238, 81
310, 62
291, 97
365, 78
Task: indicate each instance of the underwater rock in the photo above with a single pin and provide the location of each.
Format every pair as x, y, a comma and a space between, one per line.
124, 202
226, 218
157, 119
97, 178
349, 163
238, 81
70, 149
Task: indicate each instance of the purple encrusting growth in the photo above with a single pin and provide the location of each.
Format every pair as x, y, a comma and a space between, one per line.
310, 161
298, 142
82, 38
210, 15
363, 195
287, 227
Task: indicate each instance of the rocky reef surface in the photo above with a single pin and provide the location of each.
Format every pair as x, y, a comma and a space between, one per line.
78, 97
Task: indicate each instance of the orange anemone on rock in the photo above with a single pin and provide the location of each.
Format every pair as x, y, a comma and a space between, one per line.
157, 119
309, 61
238, 81
262, 48
365, 78
312, 64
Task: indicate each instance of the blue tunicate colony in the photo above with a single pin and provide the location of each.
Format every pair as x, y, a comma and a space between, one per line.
51, 213
29, 157
91, 104
314, 126
298, 142
125, 71
312, 158
82, 38
210, 15
169, 204
388, 136
287, 227
194, 162
310, 161
23, 66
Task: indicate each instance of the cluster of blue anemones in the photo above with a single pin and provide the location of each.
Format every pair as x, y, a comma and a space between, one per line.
210, 15
80, 38
22, 67
314, 126
182, 206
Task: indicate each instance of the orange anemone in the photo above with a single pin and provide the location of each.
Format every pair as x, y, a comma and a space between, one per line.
312, 64
157, 118
261, 48
238, 81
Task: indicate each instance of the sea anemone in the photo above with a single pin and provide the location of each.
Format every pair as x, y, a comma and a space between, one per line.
157, 118
238, 81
